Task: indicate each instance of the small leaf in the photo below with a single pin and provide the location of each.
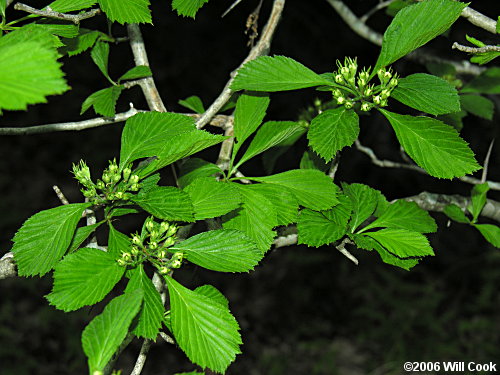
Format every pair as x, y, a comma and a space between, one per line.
103, 101
402, 242
213, 293
139, 71
478, 105
332, 130
127, 11
204, 328
250, 111
151, 313
490, 232
212, 198
100, 56
167, 203
188, 8
44, 238
278, 73
455, 213
364, 201
221, 250
416, 25
271, 156
478, 198
194, 168
434, 146
311, 160
193, 103
85, 39
104, 334
81, 235
84, 278
65, 6
312, 188
427, 93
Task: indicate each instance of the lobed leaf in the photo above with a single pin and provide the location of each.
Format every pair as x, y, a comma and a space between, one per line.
402, 242
188, 8
103, 101
127, 11
364, 201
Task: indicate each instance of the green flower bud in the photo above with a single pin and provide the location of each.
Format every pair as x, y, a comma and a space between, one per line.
126, 196
150, 224
171, 231
110, 196
126, 174
317, 103
385, 93
164, 225
134, 179
121, 262
176, 263
364, 75
100, 185
348, 105
340, 100
339, 78
153, 245
361, 82
169, 241
377, 99
126, 257
136, 240
365, 107
387, 75
368, 91
393, 82
134, 187
89, 193
153, 233
161, 254
106, 177
345, 72
119, 195
164, 270
135, 250
113, 168
336, 93
116, 178
383, 103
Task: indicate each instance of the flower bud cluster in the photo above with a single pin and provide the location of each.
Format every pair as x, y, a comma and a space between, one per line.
152, 244
353, 86
113, 185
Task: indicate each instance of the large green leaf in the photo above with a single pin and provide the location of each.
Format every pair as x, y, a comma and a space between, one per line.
225, 250
256, 217
272, 133
434, 146
478, 105
490, 232
404, 215
427, 93
204, 328
65, 6
332, 130
151, 313
166, 202
416, 25
194, 168
29, 70
278, 73
312, 188
402, 242
44, 238
364, 201
104, 334
212, 198
286, 205
127, 11
188, 8
103, 101
84, 278
117, 242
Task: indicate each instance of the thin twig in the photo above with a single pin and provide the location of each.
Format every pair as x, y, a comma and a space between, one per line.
49, 13
341, 247
284, 241
148, 86
231, 7
480, 20
375, 9
261, 48
486, 163
467, 49
60, 194
167, 338
226, 148
141, 359
70, 126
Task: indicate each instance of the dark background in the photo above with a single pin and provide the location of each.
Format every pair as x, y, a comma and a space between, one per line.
304, 310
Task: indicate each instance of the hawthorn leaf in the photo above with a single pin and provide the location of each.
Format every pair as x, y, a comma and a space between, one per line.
285, 204
311, 160
188, 8
127, 11
416, 25
81, 234
44, 238
332, 130
139, 71
313, 189
278, 73
212, 198
248, 115
478, 105
103, 101
118, 242
490, 232
64, 6
402, 242
194, 168
271, 156
167, 203
104, 334
224, 250
83, 41
212, 292
455, 213
84, 278
100, 56
434, 146
427, 93
364, 201
193, 103
488, 82
204, 328
478, 199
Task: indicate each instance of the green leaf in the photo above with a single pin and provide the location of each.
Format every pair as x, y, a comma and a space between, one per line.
103, 101
364, 201
427, 93
194, 168
117, 242
271, 156
188, 8
212, 198
139, 71
127, 11
434, 146
250, 111
416, 25
85, 39
455, 213
151, 313
81, 235
193, 103
285, 204
478, 105
324, 227
453, 119
213, 293
84, 278
104, 334
332, 130
100, 56
278, 73
256, 218
65, 6
404, 215
490, 232
60, 28
402, 242
29, 70
272, 133
221, 250
311, 160
312, 188
167, 203
122, 212
478, 199
488, 82
204, 328
498, 25
44, 238
3, 6
484, 57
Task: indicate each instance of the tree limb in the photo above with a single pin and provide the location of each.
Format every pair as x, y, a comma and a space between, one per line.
141, 359
49, 13
7, 266
480, 20
467, 49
